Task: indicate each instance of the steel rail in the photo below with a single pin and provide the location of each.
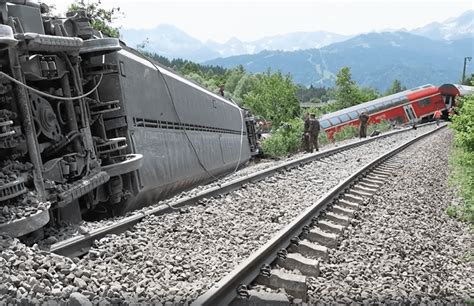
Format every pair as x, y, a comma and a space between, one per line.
80, 245
225, 291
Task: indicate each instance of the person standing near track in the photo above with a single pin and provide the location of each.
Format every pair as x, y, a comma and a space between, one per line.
314, 132
311, 133
363, 120
437, 116
221, 90
306, 140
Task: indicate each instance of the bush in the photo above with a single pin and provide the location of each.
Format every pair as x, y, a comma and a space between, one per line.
382, 126
462, 176
462, 157
323, 138
463, 124
347, 132
286, 139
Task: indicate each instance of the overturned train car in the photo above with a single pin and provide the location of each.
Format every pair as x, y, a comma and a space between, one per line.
89, 126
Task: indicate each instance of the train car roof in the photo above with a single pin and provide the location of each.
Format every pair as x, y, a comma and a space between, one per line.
456, 89
370, 104
170, 72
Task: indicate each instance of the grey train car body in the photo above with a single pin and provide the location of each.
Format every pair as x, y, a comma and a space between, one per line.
186, 134
90, 127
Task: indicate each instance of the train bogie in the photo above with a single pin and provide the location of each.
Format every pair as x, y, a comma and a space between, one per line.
88, 124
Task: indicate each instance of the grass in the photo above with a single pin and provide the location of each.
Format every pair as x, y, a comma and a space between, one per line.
462, 177
347, 132
382, 126
287, 139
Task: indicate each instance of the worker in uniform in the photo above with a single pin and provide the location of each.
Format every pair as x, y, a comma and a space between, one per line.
437, 116
306, 133
363, 120
311, 133
315, 128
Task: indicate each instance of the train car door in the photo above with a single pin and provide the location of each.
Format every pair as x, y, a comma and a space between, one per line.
409, 113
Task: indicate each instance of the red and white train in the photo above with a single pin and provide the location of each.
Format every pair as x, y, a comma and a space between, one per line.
413, 105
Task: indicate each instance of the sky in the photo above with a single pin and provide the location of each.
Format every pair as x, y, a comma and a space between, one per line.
220, 20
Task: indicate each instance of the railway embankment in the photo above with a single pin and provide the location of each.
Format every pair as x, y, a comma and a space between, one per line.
176, 257
403, 247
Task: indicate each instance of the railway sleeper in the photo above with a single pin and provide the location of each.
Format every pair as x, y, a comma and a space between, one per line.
372, 180
348, 204
309, 249
296, 261
353, 198
256, 298
376, 177
343, 210
387, 168
368, 185
382, 173
392, 164
360, 187
361, 194
293, 284
337, 219
330, 227
326, 239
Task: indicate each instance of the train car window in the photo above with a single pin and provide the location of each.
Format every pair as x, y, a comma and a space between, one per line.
424, 102
353, 115
362, 110
325, 124
334, 120
378, 106
371, 108
344, 118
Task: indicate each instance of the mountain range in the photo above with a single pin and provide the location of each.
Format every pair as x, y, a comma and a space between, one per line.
430, 54
169, 41
375, 59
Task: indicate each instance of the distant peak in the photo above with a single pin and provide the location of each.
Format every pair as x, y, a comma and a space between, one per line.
233, 40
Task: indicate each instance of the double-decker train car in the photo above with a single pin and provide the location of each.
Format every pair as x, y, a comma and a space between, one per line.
413, 105
89, 126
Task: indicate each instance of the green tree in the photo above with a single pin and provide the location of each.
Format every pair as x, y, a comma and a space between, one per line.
101, 18
190, 67
469, 80
246, 84
346, 89
274, 98
396, 87
367, 94
233, 78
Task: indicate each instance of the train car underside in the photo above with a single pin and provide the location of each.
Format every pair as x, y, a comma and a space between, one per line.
79, 138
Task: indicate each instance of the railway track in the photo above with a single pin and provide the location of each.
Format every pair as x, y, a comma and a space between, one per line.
80, 245
294, 253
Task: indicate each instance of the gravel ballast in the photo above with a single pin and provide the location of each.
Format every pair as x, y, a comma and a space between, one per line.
403, 247
71, 230
178, 256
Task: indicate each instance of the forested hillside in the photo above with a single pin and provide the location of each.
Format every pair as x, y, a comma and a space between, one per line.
376, 59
